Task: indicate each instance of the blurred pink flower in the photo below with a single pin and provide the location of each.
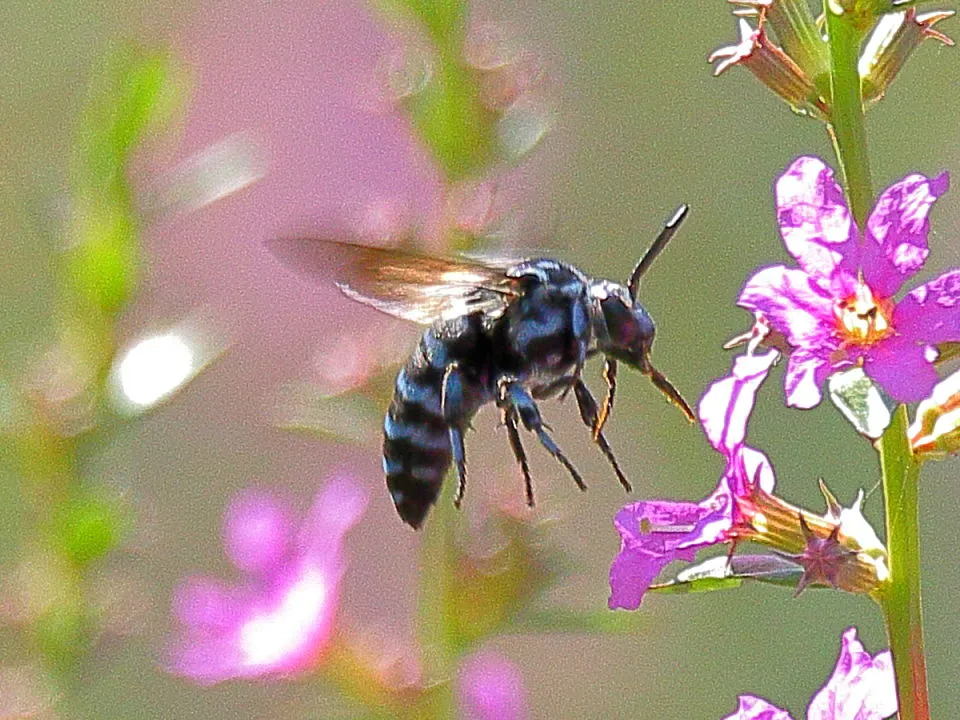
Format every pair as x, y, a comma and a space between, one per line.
491, 688
279, 619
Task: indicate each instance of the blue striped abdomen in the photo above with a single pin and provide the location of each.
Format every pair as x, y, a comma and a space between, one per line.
416, 438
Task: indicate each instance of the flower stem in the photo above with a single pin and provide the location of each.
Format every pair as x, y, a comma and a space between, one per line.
900, 600
846, 128
436, 627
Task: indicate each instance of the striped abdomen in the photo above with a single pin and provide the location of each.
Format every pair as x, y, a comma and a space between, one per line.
416, 438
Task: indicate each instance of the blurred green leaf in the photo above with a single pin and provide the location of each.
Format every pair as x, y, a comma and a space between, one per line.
452, 120
89, 527
447, 110
135, 91
62, 633
444, 19
104, 264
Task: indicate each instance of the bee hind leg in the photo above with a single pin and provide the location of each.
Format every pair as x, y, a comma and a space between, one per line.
517, 401
588, 413
510, 420
451, 404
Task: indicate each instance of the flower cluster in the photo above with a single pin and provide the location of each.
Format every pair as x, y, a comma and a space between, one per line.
280, 619
862, 687
795, 63
838, 549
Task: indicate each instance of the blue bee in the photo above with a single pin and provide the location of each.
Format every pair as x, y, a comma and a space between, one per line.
508, 333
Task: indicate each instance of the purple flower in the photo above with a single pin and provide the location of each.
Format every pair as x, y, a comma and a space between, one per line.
654, 533
491, 687
279, 619
837, 310
862, 687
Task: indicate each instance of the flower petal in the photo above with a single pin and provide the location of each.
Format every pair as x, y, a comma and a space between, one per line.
754, 708
727, 404
799, 309
806, 373
902, 368
490, 687
931, 313
815, 223
338, 506
861, 687
654, 533
895, 246
256, 531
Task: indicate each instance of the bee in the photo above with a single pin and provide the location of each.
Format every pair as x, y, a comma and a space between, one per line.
502, 332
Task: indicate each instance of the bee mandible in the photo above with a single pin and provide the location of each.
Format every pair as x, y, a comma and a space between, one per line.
506, 332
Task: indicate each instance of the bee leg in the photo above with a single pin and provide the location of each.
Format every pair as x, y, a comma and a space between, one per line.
610, 376
588, 413
513, 394
510, 420
451, 404
549, 390
580, 324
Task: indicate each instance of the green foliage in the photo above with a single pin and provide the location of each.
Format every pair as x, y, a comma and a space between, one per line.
447, 111
132, 94
87, 528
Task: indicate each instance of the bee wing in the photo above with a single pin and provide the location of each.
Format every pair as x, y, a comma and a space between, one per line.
406, 284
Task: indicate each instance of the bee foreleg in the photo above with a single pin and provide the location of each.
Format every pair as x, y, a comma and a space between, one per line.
610, 376
451, 404
588, 413
513, 394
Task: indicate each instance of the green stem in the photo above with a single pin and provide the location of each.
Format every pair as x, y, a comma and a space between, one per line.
847, 129
900, 600
436, 628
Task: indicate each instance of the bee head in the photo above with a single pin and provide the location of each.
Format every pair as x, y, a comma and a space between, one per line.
623, 328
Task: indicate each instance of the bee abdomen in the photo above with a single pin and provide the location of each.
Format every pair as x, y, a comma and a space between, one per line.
416, 445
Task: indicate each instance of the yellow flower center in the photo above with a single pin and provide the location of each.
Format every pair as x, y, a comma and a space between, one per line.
862, 319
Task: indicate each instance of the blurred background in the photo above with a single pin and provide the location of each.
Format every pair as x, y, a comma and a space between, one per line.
277, 119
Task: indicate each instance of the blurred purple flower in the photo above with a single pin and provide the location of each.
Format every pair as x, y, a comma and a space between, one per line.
654, 533
280, 618
862, 687
837, 309
491, 687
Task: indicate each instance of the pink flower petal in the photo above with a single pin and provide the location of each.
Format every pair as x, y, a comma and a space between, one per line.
801, 310
806, 373
861, 687
816, 225
895, 246
256, 531
491, 687
727, 404
280, 621
338, 506
931, 313
754, 708
903, 368
653, 534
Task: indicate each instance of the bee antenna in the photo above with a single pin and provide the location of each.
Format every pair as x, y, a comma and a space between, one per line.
669, 229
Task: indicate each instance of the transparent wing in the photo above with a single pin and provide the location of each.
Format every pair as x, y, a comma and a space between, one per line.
409, 285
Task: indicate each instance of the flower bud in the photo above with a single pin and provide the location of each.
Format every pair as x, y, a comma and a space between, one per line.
893, 41
772, 66
935, 432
